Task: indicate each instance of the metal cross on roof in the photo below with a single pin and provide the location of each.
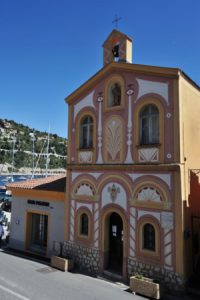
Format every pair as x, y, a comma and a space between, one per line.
116, 20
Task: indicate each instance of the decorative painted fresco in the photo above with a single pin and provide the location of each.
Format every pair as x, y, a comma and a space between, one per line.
85, 102
148, 155
148, 194
160, 88
114, 193
85, 189
85, 156
114, 140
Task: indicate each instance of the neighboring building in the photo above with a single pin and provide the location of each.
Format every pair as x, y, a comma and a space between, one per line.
134, 138
38, 212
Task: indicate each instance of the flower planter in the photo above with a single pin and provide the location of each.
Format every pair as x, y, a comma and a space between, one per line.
145, 286
61, 263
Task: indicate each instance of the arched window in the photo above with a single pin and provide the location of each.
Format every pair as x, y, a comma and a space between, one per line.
86, 133
114, 95
149, 238
149, 125
84, 224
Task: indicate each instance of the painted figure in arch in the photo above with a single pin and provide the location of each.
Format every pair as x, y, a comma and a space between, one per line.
116, 95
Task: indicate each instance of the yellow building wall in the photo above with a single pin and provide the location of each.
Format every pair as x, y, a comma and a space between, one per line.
129, 51
189, 123
178, 225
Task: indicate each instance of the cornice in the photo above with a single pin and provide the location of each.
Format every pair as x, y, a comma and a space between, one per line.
123, 167
38, 194
118, 67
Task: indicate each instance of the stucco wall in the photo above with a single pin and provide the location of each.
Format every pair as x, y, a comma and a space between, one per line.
178, 102
20, 208
189, 156
123, 120
189, 124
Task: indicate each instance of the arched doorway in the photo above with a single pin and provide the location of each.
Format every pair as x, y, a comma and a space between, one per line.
114, 235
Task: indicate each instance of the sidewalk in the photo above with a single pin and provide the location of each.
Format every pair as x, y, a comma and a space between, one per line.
5, 248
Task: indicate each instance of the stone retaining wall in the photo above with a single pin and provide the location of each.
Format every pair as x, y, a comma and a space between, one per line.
85, 258
172, 281
89, 259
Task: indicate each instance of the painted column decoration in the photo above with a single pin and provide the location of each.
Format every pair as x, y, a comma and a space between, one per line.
132, 231
167, 222
168, 248
129, 127
72, 220
100, 160
96, 225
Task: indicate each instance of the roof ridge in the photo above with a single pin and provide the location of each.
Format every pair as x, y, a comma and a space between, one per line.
34, 182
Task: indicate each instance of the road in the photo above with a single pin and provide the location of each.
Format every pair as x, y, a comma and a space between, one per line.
24, 279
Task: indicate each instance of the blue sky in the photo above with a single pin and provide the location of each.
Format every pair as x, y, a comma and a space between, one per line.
48, 48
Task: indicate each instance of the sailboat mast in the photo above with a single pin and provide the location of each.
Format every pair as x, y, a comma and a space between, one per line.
33, 154
47, 153
13, 156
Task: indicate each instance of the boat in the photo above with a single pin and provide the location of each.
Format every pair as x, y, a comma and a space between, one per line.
23, 178
8, 194
5, 195
2, 192
10, 179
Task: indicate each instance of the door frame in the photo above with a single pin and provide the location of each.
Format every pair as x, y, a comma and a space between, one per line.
29, 214
115, 240
104, 238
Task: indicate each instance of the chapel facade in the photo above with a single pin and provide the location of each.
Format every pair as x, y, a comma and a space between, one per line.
133, 137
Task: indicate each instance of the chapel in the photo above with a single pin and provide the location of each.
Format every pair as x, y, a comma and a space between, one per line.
133, 139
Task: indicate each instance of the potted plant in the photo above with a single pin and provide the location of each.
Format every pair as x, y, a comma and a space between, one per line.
145, 286
62, 263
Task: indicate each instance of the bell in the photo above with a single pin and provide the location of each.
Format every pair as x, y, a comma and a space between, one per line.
115, 51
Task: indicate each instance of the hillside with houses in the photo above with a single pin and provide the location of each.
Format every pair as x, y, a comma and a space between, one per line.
23, 148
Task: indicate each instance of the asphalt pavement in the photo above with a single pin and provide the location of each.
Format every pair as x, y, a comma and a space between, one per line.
57, 284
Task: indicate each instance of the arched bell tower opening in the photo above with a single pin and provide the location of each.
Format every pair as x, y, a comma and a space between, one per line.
117, 48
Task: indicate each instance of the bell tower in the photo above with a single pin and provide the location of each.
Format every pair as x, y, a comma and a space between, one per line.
117, 47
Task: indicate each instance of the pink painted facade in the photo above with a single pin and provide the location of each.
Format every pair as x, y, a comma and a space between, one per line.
124, 176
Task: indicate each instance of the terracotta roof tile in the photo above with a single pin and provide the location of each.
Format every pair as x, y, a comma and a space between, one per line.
51, 183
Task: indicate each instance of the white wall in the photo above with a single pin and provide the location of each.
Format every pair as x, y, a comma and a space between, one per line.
20, 207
